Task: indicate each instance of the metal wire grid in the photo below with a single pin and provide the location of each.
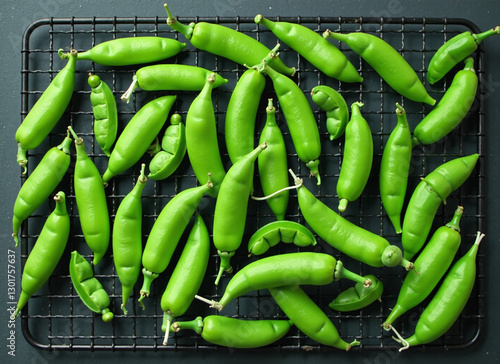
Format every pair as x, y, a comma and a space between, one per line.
57, 320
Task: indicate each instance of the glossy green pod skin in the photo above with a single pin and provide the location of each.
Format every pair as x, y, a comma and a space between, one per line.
322, 54
132, 50
359, 296
40, 184
138, 135
395, 169
46, 252
387, 62
429, 194
454, 51
337, 111
451, 109
88, 288
105, 113
308, 316
275, 232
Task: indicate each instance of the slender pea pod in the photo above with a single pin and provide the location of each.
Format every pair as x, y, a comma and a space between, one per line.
359, 296
454, 51
171, 77
395, 168
337, 111
138, 135
46, 252
173, 149
48, 110
322, 54
308, 316
340, 233
201, 138
275, 232
41, 183
299, 118
358, 158
167, 232
448, 302
88, 287
429, 194
132, 50
105, 113
431, 265
387, 62
451, 109
236, 333
127, 239
187, 276
231, 208
226, 42
91, 201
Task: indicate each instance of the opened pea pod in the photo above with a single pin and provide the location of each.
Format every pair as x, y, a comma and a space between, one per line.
337, 111
359, 296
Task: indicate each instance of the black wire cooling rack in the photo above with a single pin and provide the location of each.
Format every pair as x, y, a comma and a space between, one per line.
56, 319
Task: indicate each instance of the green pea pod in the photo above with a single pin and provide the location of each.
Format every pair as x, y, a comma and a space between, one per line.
105, 113
127, 239
429, 194
226, 42
322, 54
236, 333
451, 109
359, 296
284, 231
231, 208
308, 316
132, 50
47, 111
138, 135
88, 288
187, 277
395, 168
202, 140
46, 252
387, 62
272, 165
431, 265
170, 77
40, 184
173, 143
337, 112
454, 51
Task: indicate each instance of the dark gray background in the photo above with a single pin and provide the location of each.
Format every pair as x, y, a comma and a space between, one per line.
16, 16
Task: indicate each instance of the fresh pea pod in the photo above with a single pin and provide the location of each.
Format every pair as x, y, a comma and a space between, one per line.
359, 296
173, 145
451, 109
337, 112
105, 113
171, 77
46, 252
429, 194
284, 231
132, 50
454, 51
41, 183
88, 288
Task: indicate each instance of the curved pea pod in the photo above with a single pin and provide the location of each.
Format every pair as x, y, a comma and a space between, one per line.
171, 77
132, 50
359, 296
451, 109
429, 194
337, 111
105, 113
236, 333
454, 51
173, 145
284, 231
88, 288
